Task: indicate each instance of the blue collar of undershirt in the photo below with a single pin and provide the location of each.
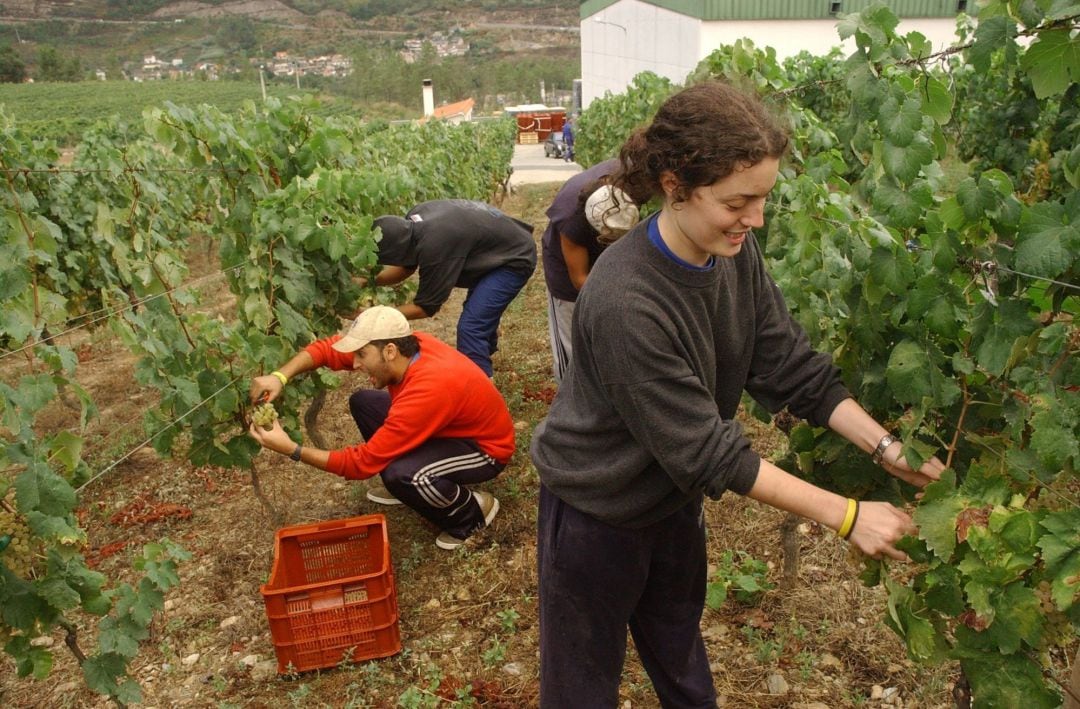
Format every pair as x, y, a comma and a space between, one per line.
658, 242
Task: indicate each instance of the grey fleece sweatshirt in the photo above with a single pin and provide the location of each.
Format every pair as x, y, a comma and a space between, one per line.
643, 421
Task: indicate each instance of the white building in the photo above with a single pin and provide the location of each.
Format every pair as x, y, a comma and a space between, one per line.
622, 38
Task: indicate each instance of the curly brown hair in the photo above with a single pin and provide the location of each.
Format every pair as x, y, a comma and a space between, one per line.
701, 134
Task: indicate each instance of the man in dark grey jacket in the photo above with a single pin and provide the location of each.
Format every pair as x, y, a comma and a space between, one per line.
457, 243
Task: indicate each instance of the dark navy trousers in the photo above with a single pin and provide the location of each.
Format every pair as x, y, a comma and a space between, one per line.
478, 326
595, 580
431, 477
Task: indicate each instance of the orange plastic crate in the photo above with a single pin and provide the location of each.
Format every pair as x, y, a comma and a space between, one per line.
331, 591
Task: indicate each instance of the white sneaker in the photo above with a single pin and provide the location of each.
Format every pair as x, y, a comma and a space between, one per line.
378, 493
489, 506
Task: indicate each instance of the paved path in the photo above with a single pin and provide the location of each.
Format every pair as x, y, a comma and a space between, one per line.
531, 166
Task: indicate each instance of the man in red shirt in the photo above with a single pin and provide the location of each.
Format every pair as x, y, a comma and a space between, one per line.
433, 423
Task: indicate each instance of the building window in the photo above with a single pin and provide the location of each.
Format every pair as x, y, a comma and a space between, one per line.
834, 7
961, 5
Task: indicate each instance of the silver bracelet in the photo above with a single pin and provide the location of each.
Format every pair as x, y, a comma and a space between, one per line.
879, 452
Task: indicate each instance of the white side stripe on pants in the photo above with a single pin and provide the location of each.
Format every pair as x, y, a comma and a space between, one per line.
423, 480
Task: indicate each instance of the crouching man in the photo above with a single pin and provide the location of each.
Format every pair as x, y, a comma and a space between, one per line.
433, 423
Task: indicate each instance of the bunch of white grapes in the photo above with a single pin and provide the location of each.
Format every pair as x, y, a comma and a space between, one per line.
265, 415
1058, 632
17, 555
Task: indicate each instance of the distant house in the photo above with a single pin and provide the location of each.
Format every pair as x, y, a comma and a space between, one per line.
152, 68
622, 38
443, 46
455, 112
209, 69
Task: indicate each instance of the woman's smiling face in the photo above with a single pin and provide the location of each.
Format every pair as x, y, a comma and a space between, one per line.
715, 219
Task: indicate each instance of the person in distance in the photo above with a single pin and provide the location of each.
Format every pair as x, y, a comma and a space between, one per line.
433, 424
586, 215
676, 320
568, 139
464, 244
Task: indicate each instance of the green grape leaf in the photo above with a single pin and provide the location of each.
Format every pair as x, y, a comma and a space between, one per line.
162, 574
102, 672
990, 35
1011, 321
905, 163
1053, 437
22, 608
44, 491
28, 658
1048, 240
1017, 618
148, 600
1065, 584
58, 593
936, 517
66, 449
899, 121
1061, 553
129, 692
937, 98
900, 208
909, 372
943, 592
975, 199
1017, 529
1052, 62
924, 643
892, 269
1008, 681
119, 636
36, 392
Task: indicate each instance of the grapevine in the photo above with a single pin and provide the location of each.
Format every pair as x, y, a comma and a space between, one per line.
289, 195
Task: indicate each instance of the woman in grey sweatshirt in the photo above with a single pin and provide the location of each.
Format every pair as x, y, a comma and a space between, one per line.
676, 320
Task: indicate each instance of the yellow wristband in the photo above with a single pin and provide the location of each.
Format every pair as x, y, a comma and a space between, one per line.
284, 380
849, 519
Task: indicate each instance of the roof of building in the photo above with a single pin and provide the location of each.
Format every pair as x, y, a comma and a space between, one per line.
784, 9
454, 109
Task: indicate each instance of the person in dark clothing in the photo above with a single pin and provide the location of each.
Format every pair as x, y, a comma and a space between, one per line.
676, 320
586, 215
464, 244
568, 138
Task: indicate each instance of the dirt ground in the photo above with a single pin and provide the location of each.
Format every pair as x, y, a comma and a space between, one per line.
468, 619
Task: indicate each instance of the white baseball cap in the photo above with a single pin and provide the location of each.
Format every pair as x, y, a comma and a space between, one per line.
611, 211
378, 323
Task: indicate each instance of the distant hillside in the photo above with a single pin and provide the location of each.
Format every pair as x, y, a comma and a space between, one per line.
114, 36
546, 12
497, 52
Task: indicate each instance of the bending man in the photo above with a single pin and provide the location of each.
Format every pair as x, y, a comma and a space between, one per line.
439, 425
463, 244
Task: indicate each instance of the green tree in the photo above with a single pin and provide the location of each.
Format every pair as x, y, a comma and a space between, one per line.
12, 69
53, 67
237, 33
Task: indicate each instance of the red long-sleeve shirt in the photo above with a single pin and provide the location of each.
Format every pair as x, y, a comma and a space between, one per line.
443, 395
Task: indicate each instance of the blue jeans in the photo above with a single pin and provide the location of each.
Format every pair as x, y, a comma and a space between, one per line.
478, 326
